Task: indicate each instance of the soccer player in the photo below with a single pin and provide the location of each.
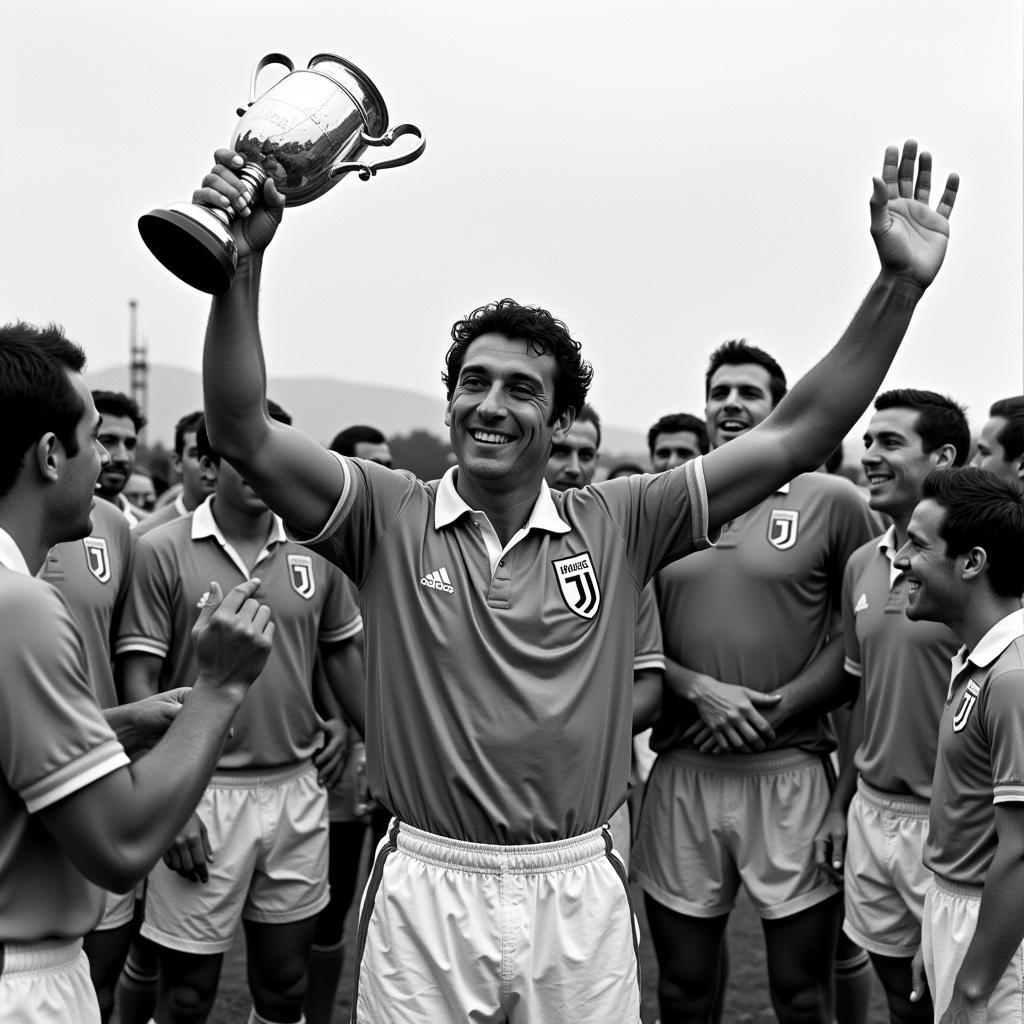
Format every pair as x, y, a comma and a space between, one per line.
256, 849
964, 566
889, 755
1001, 445
119, 435
92, 576
675, 439
499, 713
572, 463
363, 442
75, 814
195, 484
742, 779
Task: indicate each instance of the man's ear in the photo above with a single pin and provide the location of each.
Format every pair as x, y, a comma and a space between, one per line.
49, 455
944, 456
1018, 464
563, 424
208, 469
975, 564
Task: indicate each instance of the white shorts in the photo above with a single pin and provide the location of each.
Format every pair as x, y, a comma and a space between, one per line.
950, 918
119, 908
885, 876
455, 931
710, 824
47, 983
268, 833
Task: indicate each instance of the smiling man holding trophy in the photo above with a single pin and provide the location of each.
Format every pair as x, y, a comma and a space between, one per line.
499, 619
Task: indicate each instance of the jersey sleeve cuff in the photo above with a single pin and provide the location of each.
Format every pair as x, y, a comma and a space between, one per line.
75, 775
341, 509
141, 645
851, 666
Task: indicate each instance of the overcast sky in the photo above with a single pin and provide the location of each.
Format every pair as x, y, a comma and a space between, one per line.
661, 175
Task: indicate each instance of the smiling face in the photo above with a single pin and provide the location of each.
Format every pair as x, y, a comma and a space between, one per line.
930, 573
573, 460
739, 397
117, 435
896, 463
500, 416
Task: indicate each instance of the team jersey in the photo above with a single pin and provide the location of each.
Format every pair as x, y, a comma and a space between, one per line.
980, 758
277, 724
903, 667
54, 741
499, 693
165, 514
93, 574
649, 652
757, 608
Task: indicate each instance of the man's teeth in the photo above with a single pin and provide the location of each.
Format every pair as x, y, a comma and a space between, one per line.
479, 435
913, 586
733, 425
875, 478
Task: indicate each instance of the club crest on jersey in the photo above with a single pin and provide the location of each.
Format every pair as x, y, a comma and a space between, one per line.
97, 557
300, 575
782, 528
967, 702
577, 583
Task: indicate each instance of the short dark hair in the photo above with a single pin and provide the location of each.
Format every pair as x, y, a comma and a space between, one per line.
205, 450
939, 421
36, 396
345, 441
982, 510
117, 403
739, 350
188, 424
542, 333
625, 468
676, 423
588, 414
1011, 437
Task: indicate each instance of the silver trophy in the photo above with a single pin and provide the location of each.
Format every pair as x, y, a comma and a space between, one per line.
306, 132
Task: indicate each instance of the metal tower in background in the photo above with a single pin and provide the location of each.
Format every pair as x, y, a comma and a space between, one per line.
138, 367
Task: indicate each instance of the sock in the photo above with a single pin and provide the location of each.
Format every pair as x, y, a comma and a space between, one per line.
323, 971
136, 992
853, 989
255, 1018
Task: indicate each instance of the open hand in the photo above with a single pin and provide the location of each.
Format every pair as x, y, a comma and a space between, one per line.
910, 237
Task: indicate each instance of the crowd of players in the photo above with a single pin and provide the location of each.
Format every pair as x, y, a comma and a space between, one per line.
476, 653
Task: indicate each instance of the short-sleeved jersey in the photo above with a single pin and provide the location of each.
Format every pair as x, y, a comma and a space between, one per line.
903, 667
499, 699
54, 741
165, 514
980, 759
757, 608
93, 574
277, 724
649, 653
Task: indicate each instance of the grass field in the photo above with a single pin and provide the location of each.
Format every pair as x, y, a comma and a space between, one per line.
747, 1000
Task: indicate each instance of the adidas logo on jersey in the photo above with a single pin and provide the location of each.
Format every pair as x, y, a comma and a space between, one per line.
438, 580
861, 605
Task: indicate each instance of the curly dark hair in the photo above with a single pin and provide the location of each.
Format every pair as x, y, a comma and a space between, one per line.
541, 331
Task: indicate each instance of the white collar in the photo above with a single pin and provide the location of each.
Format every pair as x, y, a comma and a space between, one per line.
989, 647
10, 554
449, 506
887, 545
204, 524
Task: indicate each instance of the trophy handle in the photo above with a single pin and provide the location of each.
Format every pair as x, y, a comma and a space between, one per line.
367, 171
264, 62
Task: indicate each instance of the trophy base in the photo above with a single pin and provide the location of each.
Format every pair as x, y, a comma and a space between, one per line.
192, 244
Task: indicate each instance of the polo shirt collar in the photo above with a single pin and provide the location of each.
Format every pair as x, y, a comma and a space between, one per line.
887, 545
997, 639
449, 506
10, 554
205, 525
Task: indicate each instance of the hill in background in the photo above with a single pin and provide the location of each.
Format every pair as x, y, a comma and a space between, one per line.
323, 406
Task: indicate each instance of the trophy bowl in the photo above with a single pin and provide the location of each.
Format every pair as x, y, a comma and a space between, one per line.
306, 132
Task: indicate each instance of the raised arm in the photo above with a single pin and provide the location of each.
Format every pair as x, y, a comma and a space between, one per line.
297, 477
821, 408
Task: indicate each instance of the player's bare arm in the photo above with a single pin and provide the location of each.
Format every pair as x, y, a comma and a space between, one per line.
910, 238
116, 828
295, 475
